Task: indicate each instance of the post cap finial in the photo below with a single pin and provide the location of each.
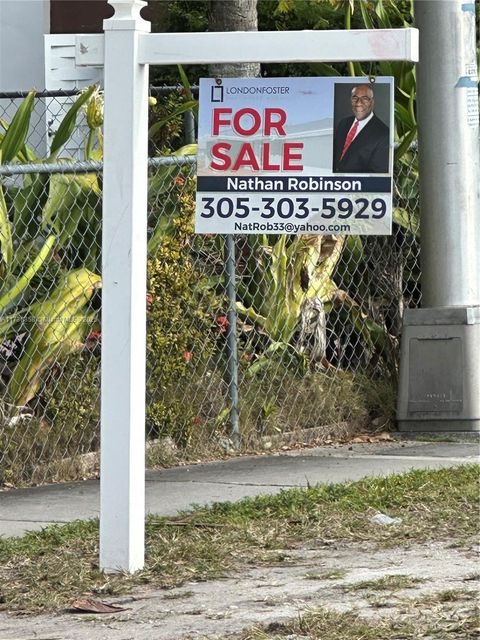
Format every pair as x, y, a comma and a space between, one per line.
127, 10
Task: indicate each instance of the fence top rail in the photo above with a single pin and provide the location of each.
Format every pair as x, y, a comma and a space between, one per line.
86, 166
97, 166
164, 90
59, 93
168, 89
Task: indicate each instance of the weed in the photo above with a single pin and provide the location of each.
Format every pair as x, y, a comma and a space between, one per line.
323, 624
448, 595
389, 583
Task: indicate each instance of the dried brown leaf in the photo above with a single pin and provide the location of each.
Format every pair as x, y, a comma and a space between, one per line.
87, 605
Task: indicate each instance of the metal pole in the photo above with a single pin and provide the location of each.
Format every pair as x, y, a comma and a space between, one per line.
439, 374
188, 127
447, 106
232, 358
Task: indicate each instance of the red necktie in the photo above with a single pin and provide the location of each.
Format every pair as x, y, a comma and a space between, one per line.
349, 138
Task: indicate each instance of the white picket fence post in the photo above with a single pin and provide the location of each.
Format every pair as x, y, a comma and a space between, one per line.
122, 479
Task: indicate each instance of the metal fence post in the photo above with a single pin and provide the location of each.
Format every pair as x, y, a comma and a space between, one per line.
188, 127
124, 254
232, 357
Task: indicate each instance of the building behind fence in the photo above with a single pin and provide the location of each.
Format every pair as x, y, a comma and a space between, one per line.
315, 361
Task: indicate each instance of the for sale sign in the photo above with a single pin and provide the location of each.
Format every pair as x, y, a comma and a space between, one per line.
295, 155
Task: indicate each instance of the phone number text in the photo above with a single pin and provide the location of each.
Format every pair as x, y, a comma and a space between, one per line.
298, 208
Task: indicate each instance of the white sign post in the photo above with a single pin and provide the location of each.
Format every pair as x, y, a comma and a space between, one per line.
276, 156
126, 49
124, 258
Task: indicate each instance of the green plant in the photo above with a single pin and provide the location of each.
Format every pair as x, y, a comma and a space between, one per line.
48, 230
53, 225
49, 292
277, 277
181, 329
163, 209
390, 582
287, 287
59, 326
49, 448
71, 396
280, 399
165, 129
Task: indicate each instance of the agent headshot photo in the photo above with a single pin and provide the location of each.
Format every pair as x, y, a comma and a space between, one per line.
361, 140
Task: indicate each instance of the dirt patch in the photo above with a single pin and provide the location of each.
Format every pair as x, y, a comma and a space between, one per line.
322, 574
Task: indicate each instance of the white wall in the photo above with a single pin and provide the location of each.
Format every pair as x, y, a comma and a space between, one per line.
29, 59
22, 26
22, 62
62, 73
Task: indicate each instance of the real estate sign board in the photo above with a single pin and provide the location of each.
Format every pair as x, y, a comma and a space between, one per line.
295, 155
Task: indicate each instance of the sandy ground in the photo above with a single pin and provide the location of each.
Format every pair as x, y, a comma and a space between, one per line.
218, 608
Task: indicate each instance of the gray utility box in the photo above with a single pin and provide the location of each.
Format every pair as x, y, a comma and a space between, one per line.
439, 387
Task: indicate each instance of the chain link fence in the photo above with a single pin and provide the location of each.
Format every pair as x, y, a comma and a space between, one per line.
244, 351
50, 107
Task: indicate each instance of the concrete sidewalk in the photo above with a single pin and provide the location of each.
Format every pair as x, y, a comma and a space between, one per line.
171, 490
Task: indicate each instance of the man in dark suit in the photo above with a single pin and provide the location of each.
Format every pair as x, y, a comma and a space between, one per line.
361, 141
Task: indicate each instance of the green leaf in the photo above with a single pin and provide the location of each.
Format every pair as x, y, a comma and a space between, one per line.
367, 20
28, 206
384, 19
186, 84
405, 144
9, 324
284, 350
374, 334
60, 322
263, 361
67, 203
403, 114
284, 6
25, 279
161, 181
251, 314
185, 106
164, 227
323, 69
6, 244
68, 123
187, 150
392, 6
26, 153
411, 109
407, 221
14, 138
